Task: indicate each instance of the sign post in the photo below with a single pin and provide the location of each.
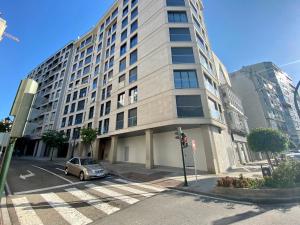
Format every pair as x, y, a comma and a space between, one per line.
194, 156
183, 144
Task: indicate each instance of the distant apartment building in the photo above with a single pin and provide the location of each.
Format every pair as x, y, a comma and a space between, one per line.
267, 95
140, 73
235, 117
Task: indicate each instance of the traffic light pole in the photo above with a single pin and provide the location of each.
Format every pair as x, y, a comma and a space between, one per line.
5, 164
183, 162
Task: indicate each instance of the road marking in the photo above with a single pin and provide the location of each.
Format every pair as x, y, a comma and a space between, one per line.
60, 169
31, 174
69, 213
129, 189
47, 188
97, 203
71, 182
141, 185
26, 215
113, 194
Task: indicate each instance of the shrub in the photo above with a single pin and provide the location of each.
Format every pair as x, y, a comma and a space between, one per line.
240, 182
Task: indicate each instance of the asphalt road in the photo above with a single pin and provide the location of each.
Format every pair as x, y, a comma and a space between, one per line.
49, 197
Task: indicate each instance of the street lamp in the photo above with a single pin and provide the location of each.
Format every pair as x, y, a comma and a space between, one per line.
297, 98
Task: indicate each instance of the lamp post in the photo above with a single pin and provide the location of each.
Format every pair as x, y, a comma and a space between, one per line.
297, 98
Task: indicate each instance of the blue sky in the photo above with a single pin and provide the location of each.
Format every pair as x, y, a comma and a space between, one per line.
241, 33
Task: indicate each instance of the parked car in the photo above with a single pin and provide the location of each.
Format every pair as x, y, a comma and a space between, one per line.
84, 168
295, 156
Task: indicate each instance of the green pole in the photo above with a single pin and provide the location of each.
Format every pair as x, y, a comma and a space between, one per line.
6, 163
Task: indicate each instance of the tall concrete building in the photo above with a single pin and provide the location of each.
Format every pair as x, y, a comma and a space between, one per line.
140, 73
267, 94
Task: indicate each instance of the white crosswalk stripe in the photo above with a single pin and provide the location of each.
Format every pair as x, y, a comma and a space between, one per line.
147, 186
105, 207
129, 189
26, 215
114, 194
70, 214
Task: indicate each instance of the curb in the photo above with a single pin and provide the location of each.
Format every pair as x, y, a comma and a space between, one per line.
270, 201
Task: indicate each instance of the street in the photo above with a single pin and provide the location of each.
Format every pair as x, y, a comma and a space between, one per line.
42, 194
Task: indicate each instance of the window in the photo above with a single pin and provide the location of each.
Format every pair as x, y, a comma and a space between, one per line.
80, 105
63, 122
182, 55
114, 13
214, 109
88, 40
113, 38
133, 41
93, 95
125, 2
100, 127
134, 13
88, 59
78, 118
85, 80
66, 109
110, 75
120, 121
123, 49
72, 108
122, 65
75, 95
86, 70
111, 62
89, 50
97, 70
133, 2
82, 92
133, 26
102, 110
180, 34
76, 135
98, 58
185, 79
68, 99
107, 108
177, 17
133, 75
91, 112
133, 57
175, 3
103, 94
80, 64
124, 22
133, 95
122, 80
125, 11
189, 106
108, 91
121, 100
95, 83
106, 126
99, 47
132, 117
124, 35
70, 121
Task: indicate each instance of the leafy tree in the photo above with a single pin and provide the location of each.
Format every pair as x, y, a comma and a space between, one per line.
88, 136
268, 141
54, 139
5, 125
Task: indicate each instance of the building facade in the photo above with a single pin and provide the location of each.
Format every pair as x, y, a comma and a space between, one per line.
272, 98
140, 73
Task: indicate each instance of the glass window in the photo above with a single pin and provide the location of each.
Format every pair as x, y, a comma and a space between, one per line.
111, 62
123, 49
112, 49
124, 22
86, 70
95, 81
78, 118
102, 110
182, 55
76, 135
114, 13
132, 117
98, 58
133, 57
133, 41
177, 17
185, 79
100, 127
189, 106
134, 13
110, 75
68, 98
125, 2
122, 65
82, 92
107, 108
121, 100
108, 91
88, 59
91, 112
125, 11
89, 50
66, 109
133, 75
70, 121
120, 121
113, 38
103, 94
175, 3
72, 108
133, 26
133, 2
75, 95
63, 122
124, 35
180, 34
133, 95
80, 105
106, 126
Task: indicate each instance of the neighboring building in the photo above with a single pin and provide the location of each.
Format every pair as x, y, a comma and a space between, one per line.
140, 73
235, 117
268, 98
2, 27
4, 141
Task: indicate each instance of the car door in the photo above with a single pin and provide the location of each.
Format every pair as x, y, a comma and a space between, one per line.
71, 166
76, 166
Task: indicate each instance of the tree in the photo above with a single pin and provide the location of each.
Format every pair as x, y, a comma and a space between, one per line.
5, 125
88, 136
268, 141
54, 139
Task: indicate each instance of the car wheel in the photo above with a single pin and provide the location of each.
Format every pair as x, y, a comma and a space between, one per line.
81, 176
66, 171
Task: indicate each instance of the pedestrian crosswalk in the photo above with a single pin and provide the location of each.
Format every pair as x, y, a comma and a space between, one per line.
101, 198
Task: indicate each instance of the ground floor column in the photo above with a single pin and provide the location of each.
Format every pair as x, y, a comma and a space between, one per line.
41, 149
96, 149
113, 149
35, 148
149, 149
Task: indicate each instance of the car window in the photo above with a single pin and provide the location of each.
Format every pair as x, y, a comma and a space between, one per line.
74, 161
88, 162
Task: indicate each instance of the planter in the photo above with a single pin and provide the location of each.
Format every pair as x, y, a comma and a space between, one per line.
270, 195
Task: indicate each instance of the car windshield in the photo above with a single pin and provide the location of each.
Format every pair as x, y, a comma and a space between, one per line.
88, 162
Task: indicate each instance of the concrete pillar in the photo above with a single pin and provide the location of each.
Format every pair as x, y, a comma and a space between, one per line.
210, 150
241, 154
35, 148
70, 149
113, 149
149, 149
25, 150
81, 149
96, 146
41, 149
